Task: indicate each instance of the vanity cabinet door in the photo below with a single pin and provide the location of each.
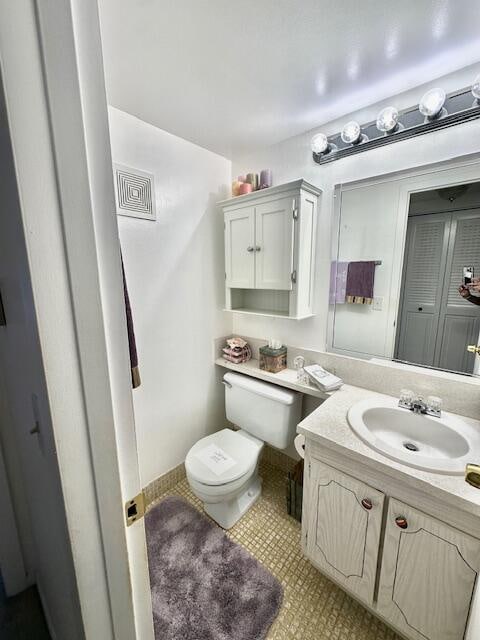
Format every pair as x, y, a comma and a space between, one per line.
428, 575
240, 248
274, 229
343, 528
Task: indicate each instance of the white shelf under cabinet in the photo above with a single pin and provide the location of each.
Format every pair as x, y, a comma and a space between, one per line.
269, 314
286, 378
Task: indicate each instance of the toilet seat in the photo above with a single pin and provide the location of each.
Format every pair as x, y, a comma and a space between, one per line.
223, 458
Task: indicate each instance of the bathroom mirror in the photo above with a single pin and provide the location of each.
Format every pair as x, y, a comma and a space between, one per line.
403, 276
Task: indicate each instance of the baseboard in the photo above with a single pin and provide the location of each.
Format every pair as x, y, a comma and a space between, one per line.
168, 480
163, 483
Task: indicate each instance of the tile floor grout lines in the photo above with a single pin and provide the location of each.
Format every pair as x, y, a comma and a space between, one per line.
313, 607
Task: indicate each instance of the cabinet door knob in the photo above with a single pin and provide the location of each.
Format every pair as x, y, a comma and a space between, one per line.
257, 248
401, 522
367, 504
250, 249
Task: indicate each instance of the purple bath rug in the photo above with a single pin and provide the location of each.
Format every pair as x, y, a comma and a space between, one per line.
204, 586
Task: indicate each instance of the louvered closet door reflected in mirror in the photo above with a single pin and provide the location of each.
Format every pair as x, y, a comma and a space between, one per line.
435, 324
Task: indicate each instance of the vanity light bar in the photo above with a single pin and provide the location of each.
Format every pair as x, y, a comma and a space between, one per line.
460, 106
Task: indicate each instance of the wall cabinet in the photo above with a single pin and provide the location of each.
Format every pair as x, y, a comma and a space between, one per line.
270, 249
415, 571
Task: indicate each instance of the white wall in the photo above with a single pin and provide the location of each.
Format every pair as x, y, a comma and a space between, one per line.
292, 159
174, 270
368, 231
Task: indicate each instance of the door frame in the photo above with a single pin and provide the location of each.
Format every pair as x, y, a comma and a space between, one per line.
55, 92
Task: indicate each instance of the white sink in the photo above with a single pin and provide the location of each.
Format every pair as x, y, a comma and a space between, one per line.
442, 445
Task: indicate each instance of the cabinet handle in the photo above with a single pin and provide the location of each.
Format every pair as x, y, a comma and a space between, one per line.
250, 249
401, 522
257, 248
367, 504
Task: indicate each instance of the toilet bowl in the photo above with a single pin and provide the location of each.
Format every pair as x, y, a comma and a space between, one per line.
222, 468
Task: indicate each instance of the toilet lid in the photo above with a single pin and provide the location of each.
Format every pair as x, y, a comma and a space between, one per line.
222, 457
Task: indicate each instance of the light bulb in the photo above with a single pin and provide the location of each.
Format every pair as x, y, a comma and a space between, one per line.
432, 103
351, 132
476, 88
319, 143
387, 120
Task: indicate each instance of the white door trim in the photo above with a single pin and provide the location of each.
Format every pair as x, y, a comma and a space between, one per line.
55, 93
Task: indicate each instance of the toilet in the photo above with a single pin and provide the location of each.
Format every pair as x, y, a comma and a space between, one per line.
222, 468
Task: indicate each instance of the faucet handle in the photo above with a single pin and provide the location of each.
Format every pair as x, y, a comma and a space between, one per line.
406, 398
434, 405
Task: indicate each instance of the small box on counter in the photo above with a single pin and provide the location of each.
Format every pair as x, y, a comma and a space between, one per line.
273, 359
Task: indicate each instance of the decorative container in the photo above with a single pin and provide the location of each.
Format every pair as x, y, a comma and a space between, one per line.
265, 179
244, 188
236, 184
273, 360
252, 178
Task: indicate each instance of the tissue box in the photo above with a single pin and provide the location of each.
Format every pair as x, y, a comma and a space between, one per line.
273, 360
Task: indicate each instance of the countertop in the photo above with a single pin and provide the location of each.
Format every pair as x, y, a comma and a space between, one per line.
328, 425
285, 378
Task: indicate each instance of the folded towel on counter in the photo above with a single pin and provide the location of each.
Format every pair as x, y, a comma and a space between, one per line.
338, 282
360, 281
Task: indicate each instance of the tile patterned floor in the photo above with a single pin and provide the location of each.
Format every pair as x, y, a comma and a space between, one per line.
313, 607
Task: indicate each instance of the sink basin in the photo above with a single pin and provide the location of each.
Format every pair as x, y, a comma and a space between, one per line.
442, 445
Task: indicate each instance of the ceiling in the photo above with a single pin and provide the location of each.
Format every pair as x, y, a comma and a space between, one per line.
233, 75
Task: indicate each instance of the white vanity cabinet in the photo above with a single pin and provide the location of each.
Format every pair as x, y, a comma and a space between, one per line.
428, 575
344, 534
269, 250
413, 570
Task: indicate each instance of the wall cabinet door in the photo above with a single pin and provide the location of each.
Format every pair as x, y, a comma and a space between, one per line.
343, 528
274, 229
428, 575
240, 248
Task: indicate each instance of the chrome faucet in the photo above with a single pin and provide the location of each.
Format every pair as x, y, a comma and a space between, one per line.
419, 406
432, 407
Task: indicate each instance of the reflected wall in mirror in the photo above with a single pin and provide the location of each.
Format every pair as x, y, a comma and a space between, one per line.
405, 276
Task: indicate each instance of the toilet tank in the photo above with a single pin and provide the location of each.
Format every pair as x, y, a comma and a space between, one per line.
264, 410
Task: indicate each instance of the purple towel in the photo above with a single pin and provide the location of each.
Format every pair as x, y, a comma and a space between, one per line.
360, 281
338, 282
132, 346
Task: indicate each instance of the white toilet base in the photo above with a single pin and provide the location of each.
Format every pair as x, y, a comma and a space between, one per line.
227, 513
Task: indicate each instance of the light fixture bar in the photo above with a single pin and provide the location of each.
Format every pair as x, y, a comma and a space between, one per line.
460, 107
